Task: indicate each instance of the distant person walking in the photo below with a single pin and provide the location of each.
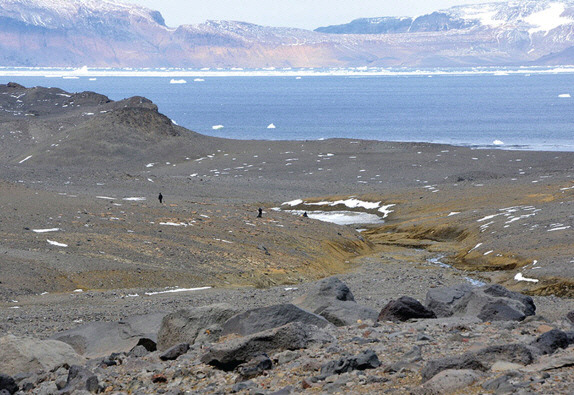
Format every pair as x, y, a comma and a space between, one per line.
260, 214
160, 198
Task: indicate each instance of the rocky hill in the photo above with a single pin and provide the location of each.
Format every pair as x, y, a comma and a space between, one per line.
84, 32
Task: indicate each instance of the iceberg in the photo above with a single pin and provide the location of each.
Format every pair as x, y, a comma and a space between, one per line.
271, 126
564, 95
217, 127
174, 81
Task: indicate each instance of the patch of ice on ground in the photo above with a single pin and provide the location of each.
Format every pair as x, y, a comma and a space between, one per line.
25, 159
135, 199
175, 224
292, 203
45, 230
177, 290
105, 197
453, 213
341, 217
559, 228
520, 277
55, 243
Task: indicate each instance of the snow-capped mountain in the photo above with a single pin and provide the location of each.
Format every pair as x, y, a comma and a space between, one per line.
112, 33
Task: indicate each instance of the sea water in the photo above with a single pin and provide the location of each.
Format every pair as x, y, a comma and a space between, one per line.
512, 111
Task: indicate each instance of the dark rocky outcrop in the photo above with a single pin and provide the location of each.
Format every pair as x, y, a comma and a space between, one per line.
333, 300
403, 309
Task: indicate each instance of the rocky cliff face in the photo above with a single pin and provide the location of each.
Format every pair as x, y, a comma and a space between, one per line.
87, 32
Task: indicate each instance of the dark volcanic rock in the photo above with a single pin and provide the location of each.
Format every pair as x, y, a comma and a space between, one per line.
8, 384
174, 352
202, 324
492, 303
264, 318
480, 360
293, 336
255, 367
551, 341
404, 309
366, 360
80, 379
333, 300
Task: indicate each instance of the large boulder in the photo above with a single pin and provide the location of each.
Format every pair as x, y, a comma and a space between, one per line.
22, 355
491, 303
403, 309
333, 300
201, 324
264, 318
293, 336
99, 339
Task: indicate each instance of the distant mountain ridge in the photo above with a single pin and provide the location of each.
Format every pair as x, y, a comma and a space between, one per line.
112, 34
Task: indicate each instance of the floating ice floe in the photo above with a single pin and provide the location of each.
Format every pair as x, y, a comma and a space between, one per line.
45, 230
217, 127
55, 243
520, 277
198, 80
177, 290
271, 126
174, 81
498, 142
564, 95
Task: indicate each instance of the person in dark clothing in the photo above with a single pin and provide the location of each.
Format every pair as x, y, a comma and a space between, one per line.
260, 214
160, 198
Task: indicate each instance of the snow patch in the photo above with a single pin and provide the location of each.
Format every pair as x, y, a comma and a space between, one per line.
55, 243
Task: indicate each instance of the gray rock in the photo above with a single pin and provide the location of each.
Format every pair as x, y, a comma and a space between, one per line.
265, 318
551, 341
365, 360
228, 355
202, 324
29, 355
448, 381
333, 300
254, 367
80, 379
174, 352
480, 360
403, 309
492, 303
99, 339
243, 386
8, 384
502, 384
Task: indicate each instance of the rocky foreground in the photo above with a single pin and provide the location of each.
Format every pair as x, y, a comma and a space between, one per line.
90, 260
463, 339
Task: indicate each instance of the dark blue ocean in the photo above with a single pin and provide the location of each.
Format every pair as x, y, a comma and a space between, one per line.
522, 111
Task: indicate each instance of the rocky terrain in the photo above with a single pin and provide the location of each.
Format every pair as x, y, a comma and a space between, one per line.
90, 256
112, 34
